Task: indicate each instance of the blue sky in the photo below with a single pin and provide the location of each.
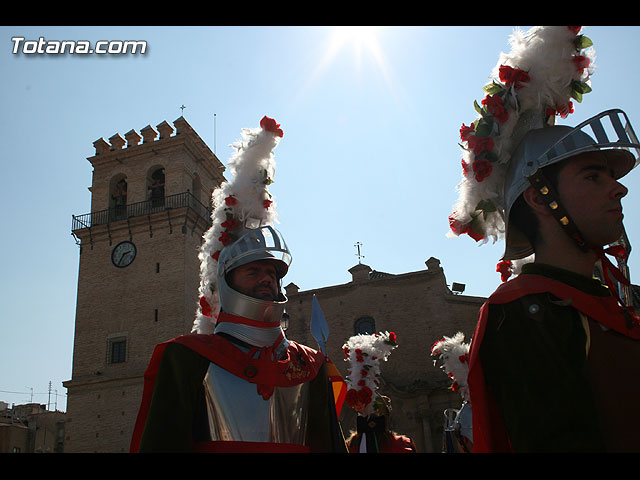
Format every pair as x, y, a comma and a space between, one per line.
369, 154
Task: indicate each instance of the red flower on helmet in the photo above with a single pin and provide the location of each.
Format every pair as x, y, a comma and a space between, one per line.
392, 337
575, 30
225, 238
565, 110
229, 224
482, 168
465, 167
231, 201
504, 269
267, 203
270, 125
513, 76
581, 62
364, 395
496, 108
215, 255
466, 131
458, 228
205, 307
480, 144
358, 399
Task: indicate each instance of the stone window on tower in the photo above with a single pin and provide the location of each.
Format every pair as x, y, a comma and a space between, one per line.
118, 198
155, 187
364, 326
117, 350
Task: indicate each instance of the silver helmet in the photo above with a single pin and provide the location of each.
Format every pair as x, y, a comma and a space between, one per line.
263, 243
609, 132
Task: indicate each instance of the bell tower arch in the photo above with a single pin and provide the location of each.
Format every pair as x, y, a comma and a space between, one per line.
138, 272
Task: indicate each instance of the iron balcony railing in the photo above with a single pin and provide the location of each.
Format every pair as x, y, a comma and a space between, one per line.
154, 205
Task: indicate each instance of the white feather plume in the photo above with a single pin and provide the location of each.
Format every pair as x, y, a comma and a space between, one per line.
364, 354
453, 354
555, 62
239, 204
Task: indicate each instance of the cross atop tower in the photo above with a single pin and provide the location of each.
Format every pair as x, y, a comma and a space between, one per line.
359, 254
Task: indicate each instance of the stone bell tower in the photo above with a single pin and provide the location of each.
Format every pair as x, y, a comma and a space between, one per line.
138, 272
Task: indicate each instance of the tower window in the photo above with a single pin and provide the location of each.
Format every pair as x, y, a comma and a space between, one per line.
364, 326
118, 198
156, 188
117, 350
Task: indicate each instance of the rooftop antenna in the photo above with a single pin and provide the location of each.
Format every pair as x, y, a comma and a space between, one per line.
182, 107
359, 255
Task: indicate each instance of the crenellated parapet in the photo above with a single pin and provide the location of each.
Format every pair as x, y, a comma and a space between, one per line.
147, 135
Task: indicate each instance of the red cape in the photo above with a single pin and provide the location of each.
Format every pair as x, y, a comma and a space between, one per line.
301, 365
489, 434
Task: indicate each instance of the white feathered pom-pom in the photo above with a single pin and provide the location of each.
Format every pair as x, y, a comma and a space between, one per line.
364, 353
453, 352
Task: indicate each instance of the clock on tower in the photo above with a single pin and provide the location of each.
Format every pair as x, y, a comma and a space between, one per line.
138, 272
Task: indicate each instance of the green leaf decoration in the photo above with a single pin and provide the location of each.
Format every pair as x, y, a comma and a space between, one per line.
484, 127
486, 206
580, 87
577, 96
491, 156
477, 225
494, 88
582, 41
477, 107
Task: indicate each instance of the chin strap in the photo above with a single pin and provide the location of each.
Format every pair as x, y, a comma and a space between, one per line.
544, 187
610, 270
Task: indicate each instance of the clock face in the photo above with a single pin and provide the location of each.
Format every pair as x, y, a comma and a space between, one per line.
123, 254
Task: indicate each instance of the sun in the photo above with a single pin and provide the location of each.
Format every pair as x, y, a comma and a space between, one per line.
363, 39
365, 43
358, 36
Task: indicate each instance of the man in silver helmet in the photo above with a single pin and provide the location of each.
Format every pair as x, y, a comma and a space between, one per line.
555, 348
244, 388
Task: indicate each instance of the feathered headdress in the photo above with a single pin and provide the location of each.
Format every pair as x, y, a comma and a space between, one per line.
454, 355
364, 353
547, 68
239, 205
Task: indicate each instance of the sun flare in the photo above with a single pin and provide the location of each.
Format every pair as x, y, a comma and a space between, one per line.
363, 42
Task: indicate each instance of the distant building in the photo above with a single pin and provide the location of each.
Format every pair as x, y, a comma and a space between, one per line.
31, 428
420, 308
